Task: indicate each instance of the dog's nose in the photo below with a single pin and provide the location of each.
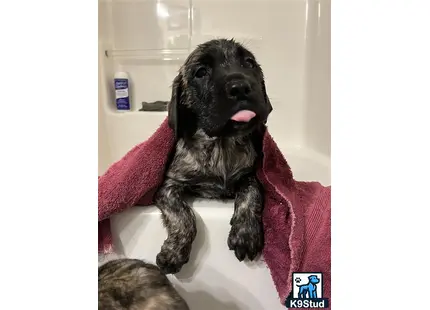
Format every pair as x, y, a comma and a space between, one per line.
238, 89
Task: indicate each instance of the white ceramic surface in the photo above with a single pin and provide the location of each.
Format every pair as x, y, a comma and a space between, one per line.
149, 39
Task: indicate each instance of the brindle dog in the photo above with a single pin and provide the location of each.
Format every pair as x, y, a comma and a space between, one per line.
218, 112
132, 284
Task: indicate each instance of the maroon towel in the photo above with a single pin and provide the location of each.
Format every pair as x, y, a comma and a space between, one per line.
296, 215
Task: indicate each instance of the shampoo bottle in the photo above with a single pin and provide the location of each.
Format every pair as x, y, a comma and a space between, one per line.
122, 91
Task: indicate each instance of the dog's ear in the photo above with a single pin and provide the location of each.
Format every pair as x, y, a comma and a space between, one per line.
175, 104
266, 98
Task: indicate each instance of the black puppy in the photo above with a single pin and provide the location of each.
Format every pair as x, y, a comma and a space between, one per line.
218, 111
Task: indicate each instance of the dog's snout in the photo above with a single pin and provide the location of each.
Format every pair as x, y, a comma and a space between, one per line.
238, 88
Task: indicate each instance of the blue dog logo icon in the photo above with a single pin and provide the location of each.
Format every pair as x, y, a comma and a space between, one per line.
309, 290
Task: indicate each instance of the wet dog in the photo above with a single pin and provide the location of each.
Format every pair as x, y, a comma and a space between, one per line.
218, 112
132, 284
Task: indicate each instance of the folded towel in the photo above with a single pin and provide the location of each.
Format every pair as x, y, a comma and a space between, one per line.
296, 216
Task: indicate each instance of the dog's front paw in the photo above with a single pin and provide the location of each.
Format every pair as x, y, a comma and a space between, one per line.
172, 257
246, 238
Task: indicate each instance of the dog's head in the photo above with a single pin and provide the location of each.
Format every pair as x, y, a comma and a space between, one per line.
314, 279
219, 89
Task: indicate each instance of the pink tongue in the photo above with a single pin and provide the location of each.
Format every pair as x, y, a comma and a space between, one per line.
243, 116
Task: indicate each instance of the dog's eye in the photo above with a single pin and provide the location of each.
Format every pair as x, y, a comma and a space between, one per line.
201, 73
250, 63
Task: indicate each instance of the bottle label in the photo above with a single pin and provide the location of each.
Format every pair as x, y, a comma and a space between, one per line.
121, 94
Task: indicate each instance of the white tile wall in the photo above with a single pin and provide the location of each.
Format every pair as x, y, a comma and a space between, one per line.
150, 39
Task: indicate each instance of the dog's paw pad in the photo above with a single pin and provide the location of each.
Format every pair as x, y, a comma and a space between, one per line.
171, 260
245, 242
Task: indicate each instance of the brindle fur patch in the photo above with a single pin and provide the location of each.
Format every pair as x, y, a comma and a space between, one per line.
132, 284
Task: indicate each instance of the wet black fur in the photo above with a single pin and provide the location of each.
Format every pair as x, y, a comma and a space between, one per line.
214, 156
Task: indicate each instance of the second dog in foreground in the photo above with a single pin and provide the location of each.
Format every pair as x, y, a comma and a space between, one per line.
132, 284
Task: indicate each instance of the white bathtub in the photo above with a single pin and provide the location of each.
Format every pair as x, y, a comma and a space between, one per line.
291, 39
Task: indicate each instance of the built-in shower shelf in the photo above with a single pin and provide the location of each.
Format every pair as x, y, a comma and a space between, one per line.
134, 113
148, 54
